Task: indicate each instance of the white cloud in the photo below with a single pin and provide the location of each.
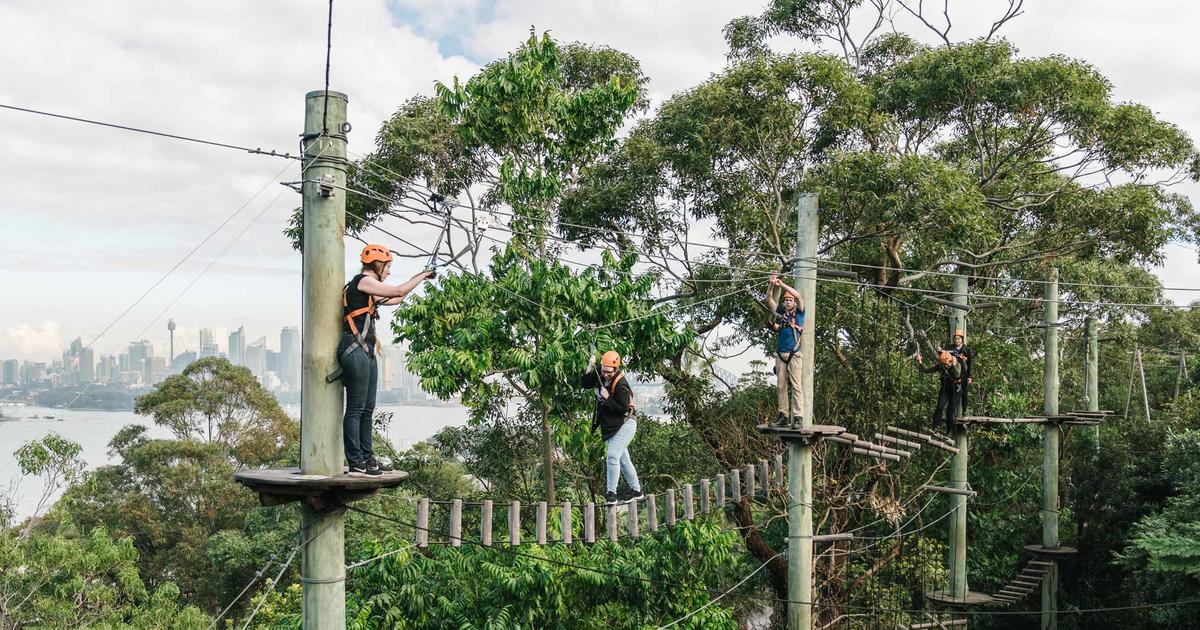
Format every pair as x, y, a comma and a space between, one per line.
40, 340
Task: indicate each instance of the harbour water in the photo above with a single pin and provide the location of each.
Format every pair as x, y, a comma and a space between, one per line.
93, 430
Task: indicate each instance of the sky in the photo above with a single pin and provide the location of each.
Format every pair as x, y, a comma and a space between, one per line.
91, 218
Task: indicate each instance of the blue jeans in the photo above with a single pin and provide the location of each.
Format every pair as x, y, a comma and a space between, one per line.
618, 458
360, 376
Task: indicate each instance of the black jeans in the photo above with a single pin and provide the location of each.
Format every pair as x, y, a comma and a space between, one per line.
963, 393
360, 376
947, 405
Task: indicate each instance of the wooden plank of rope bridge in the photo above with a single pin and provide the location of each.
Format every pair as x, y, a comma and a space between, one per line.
914, 434
720, 491
541, 523
566, 516
1040, 563
634, 526
735, 484
943, 446
651, 512
670, 499
764, 475
514, 523
423, 523
895, 440
704, 490
871, 446
456, 523
611, 522
933, 619
944, 489
948, 598
589, 523
928, 625
750, 481
875, 454
779, 470
485, 523
689, 513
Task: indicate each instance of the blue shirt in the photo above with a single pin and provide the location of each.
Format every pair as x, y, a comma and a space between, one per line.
788, 338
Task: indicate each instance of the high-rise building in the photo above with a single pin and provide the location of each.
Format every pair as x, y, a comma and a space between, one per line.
33, 372
157, 370
11, 373
140, 353
273, 362
256, 358
289, 357
237, 346
208, 348
87, 365
106, 369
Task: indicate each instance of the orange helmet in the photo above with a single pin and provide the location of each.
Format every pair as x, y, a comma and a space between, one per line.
373, 253
611, 359
959, 333
945, 358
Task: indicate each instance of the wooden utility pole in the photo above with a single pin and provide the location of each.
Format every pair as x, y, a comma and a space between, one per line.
323, 568
1129, 386
1050, 455
1145, 392
1179, 375
1092, 375
958, 469
800, 512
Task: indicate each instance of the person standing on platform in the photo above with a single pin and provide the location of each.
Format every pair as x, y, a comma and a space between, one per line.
357, 366
615, 418
966, 359
949, 376
788, 323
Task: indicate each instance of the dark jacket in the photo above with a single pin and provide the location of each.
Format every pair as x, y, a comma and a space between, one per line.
966, 358
610, 412
949, 376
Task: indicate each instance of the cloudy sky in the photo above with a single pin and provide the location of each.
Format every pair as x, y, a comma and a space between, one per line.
92, 217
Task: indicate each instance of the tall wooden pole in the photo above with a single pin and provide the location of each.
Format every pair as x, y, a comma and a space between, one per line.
1093, 376
1050, 455
800, 512
323, 565
958, 469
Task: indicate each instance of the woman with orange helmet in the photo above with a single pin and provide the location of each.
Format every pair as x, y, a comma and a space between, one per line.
949, 374
615, 418
358, 348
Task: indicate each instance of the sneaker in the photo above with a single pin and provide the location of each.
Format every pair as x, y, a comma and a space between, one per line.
610, 497
635, 495
781, 420
357, 470
378, 465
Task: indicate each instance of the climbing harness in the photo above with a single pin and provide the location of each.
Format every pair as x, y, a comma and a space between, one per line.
360, 336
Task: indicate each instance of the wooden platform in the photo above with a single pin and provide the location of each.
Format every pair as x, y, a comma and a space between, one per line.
276, 486
810, 433
946, 598
1046, 552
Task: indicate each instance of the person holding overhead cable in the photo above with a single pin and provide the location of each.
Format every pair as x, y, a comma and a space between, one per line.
357, 351
614, 417
788, 323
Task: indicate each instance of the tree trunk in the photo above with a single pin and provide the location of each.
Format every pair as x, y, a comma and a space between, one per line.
548, 453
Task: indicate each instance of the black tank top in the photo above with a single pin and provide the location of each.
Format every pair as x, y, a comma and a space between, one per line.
355, 300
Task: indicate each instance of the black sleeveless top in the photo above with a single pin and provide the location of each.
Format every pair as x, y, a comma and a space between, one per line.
355, 300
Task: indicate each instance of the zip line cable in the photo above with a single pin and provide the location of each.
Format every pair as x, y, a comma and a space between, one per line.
257, 151
718, 598
212, 262
175, 267
328, 55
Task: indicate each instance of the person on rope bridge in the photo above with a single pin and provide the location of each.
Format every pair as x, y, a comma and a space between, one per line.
950, 375
356, 352
966, 358
615, 418
788, 321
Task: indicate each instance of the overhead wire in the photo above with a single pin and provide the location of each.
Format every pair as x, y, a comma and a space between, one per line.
162, 134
